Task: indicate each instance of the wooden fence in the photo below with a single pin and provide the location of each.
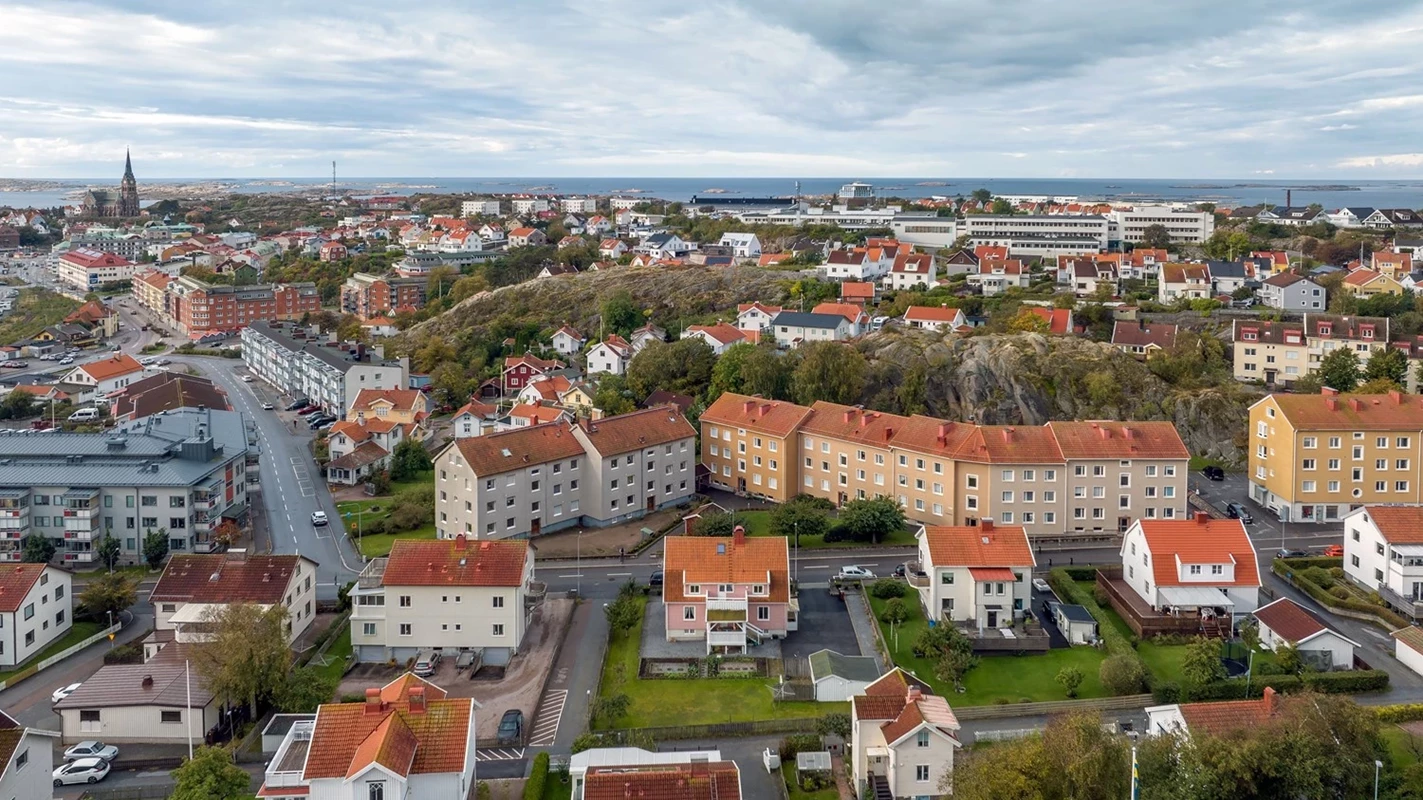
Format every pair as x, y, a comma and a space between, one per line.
29, 672
1125, 703
721, 730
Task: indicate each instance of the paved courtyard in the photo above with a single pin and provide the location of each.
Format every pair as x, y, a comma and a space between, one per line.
655, 644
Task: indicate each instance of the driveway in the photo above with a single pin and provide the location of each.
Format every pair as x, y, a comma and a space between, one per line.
824, 624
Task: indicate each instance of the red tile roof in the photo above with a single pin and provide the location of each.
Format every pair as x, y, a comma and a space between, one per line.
1398, 524
766, 416
456, 562
709, 560
405, 399
349, 737
1289, 620
1199, 541
718, 780
853, 424
1220, 718
1059, 320
931, 314
625, 433
981, 574
1009, 444
723, 333
858, 290
537, 414
506, 451
1118, 440
849, 311
978, 546
16, 580
121, 364
227, 578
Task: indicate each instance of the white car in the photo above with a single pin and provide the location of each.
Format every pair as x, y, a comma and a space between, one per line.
318, 518
854, 573
63, 692
247, 379
148, 362
1041, 586
85, 770
91, 749
268, 407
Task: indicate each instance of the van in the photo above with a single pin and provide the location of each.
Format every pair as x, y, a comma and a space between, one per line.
84, 415
426, 662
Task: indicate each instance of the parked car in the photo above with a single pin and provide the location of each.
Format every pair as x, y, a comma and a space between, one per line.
302, 412
67, 360
247, 379
1334, 551
85, 770
268, 407
1240, 512
426, 661
92, 749
149, 360
1287, 553
163, 362
297, 404
84, 415
1042, 586
901, 570
63, 692
1213, 473
656, 579
318, 518
511, 727
854, 573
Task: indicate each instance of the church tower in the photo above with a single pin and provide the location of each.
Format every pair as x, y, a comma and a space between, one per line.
128, 190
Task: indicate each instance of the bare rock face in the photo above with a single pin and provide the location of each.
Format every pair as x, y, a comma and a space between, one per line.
1030, 379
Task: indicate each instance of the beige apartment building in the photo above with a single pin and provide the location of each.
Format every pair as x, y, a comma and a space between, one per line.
1063, 477
1280, 353
1315, 458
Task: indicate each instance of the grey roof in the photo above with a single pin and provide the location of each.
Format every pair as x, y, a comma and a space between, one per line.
813, 761
1075, 613
1361, 212
806, 319
825, 663
149, 684
657, 239
171, 448
333, 355
1227, 269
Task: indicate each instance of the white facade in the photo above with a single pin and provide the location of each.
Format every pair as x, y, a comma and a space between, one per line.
307, 368
1334, 650
743, 245
1393, 569
1216, 577
756, 317
954, 594
609, 358
1184, 225
530, 205
1408, 652
1002, 230
915, 763
793, 329
579, 205
145, 724
924, 230
43, 615
30, 766
95, 389
475, 208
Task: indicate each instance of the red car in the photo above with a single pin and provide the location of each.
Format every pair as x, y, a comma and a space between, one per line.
1334, 551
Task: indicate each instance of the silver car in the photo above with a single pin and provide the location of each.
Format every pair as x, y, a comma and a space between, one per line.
92, 750
85, 770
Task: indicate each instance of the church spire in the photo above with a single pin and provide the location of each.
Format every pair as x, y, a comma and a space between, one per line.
128, 164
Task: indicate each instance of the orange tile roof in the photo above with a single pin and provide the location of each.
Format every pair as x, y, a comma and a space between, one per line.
1392, 411
861, 290
931, 436
1181, 273
908, 719
772, 311
226, 578
770, 259
456, 562
978, 546
477, 408
774, 417
1059, 320
722, 332
1199, 541
550, 387
719, 559
506, 451
522, 232
1010, 444
1117, 440
718, 780
354, 431
1220, 718
981, 574
1362, 277
1289, 620
16, 580
1398, 524
406, 399
398, 690
849, 311
987, 252
649, 427
853, 424
121, 364
931, 314
347, 738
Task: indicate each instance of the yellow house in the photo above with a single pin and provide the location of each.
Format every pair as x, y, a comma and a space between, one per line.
1316, 457
1365, 282
578, 398
400, 406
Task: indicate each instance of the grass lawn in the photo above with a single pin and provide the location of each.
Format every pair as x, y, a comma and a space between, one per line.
797, 793
997, 678
700, 701
78, 633
379, 544
1401, 744
556, 789
336, 656
758, 523
139, 571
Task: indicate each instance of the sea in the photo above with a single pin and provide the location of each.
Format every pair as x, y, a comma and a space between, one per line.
1330, 194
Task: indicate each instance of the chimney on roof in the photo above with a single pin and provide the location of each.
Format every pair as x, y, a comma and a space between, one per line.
1328, 391
148, 681
1141, 323
1202, 517
1269, 700
1128, 433
865, 419
237, 554
738, 536
1008, 435
943, 432
461, 542
913, 694
417, 700
1104, 432
1355, 404
1397, 397
849, 412
888, 434
986, 525
373, 702
747, 406
1331, 403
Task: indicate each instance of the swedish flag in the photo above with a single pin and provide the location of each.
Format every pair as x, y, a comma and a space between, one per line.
1135, 778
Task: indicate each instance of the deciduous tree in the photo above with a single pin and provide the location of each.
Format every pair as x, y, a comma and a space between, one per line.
409, 460
1339, 370
210, 775
871, 519
304, 689
247, 653
1156, 237
37, 549
108, 551
1202, 665
829, 371
621, 315
713, 523
108, 593
1390, 364
613, 396
798, 519
1070, 679
155, 547
683, 367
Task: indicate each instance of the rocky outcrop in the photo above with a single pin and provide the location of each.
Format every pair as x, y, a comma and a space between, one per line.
1030, 379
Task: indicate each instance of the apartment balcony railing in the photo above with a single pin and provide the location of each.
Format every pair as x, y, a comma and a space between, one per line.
1404, 603
84, 557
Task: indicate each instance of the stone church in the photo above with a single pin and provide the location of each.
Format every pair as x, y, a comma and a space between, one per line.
101, 203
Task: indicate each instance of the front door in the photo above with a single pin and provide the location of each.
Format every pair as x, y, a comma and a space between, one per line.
992, 619
652, 504
534, 527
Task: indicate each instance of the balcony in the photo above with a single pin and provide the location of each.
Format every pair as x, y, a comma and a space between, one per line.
86, 525
10, 555
80, 513
915, 574
79, 557
1413, 608
726, 636
79, 535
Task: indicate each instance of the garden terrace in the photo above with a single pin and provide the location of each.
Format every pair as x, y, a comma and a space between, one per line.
1025, 636
1146, 621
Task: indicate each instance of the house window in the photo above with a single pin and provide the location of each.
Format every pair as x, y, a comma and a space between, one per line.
368, 629
689, 613
921, 773
404, 629
498, 629
170, 716
763, 613
498, 601
922, 740
946, 578
405, 601
375, 791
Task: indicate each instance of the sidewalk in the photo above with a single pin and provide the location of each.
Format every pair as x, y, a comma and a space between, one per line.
863, 622
577, 671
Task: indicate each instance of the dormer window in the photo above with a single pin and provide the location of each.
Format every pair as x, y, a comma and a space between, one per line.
1249, 336
1195, 569
1366, 331
1325, 330
694, 589
758, 590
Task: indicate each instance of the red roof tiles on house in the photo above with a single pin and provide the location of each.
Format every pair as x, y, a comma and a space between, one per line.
349, 737
16, 580
625, 433
1199, 541
1398, 524
1391, 411
767, 416
506, 451
710, 560
1221, 718
226, 578
1107, 440
1290, 621
718, 780
979, 546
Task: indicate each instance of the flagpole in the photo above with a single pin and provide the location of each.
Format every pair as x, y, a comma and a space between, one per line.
1135, 778
187, 669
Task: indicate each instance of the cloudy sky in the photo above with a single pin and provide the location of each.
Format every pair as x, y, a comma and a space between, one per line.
987, 88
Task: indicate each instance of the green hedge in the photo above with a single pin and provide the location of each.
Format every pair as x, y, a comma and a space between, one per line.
1081, 573
1062, 582
1312, 561
1347, 682
1408, 712
1293, 571
538, 776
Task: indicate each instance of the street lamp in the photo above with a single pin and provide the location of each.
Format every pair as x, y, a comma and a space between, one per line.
1378, 765
578, 560
358, 514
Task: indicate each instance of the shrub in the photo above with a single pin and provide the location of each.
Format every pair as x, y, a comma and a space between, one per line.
885, 588
1409, 712
1340, 592
1081, 573
813, 502
131, 653
895, 611
1100, 595
836, 724
1319, 576
1336, 573
799, 743
538, 776
1166, 692
1289, 569
1123, 674
839, 533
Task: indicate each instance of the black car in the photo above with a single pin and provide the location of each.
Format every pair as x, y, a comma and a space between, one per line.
1213, 473
511, 727
900, 570
656, 579
318, 420
1240, 512
295, 404
1285, 553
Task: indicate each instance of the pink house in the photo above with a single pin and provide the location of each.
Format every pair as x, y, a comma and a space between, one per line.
731, 592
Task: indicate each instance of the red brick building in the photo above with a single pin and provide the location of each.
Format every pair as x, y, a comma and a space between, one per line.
370, 296
201, 308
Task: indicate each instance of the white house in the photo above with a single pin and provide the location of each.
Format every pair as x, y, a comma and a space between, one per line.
145, 703
743, 245
195, 585
472, 598
567, 341
97, 379
1383, 552
794, 328
911, 270
475, 208
719, 336
1284, 623
755, 316
612, 355
1408, 647
1198, 565
612, 248
36, 603
1178, 281
474, 419
902, 739
858, 264
665, 245
645, 336
837, 678
408, 739
979, 574
26, 760
994, 276
934, 319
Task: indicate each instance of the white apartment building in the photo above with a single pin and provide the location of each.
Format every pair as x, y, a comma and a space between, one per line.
300, 362
1070, 231
182, 471
452, 595
1184, 225
529, 205
578, 205
479, 208
1383, 552
86, 269
542, 478
795, 328
924, 230
36, 608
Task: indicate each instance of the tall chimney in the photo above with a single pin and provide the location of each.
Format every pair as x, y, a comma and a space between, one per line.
1289, 198
417, 700
373, 703
738, 536
986, 524
1202, 517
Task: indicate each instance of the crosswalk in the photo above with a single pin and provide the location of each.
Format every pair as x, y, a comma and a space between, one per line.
499, 754
546, 719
